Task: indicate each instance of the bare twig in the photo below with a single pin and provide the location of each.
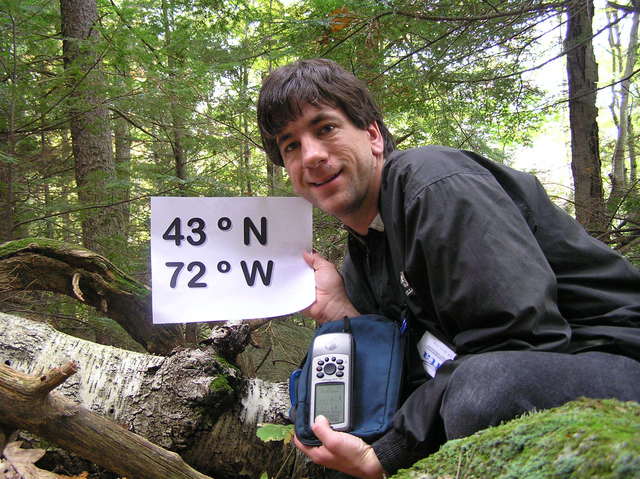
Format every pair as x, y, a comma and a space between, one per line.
92, 207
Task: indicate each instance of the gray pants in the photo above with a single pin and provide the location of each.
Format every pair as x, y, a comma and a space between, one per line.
487, 389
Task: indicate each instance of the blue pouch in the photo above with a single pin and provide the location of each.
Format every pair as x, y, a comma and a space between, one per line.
377, 373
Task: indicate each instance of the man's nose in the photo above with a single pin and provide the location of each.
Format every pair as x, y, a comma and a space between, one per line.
313, 152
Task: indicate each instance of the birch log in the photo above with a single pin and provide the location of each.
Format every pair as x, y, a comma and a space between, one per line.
192, 402
28, 401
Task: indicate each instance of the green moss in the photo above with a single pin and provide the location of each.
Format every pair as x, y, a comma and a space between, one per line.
220, 385
125, 283
12, 247
582, 439
225, 363
221, 396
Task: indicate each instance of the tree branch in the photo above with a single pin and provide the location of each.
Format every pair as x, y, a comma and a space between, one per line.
55, 377
624, 8
91, 207
539, 65
441, 18
490, 16
26, 404
132, 122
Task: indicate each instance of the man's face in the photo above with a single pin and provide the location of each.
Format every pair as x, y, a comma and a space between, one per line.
333, 164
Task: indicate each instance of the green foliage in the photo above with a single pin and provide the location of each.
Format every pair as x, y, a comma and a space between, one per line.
275, 432
184, 75
13, 247
181, 81
583, 439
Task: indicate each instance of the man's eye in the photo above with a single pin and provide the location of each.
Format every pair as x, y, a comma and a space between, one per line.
326, 129
290, 146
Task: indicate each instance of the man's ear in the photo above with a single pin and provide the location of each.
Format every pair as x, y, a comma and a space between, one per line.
376, 139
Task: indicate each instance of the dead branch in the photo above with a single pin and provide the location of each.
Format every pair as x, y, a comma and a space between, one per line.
27, 403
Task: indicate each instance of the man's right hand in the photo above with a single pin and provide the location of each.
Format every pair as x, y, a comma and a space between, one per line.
342, 452
331, 301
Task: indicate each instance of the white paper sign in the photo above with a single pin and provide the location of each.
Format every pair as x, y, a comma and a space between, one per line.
217, 259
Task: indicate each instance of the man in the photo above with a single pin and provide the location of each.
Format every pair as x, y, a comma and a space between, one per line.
472, 254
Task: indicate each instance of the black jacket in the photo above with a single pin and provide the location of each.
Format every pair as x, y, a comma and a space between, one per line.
490, 264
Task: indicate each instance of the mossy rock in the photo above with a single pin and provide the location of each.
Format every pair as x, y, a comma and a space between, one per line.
594, 439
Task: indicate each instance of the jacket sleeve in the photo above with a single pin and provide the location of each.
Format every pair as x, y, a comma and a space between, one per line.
490, 285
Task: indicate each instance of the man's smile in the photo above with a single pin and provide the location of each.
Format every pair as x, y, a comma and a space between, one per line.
325, 181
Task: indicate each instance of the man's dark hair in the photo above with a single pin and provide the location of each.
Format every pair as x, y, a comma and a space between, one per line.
315, 82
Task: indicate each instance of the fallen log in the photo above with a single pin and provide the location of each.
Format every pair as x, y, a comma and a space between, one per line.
40, 264
27, 402
192, 402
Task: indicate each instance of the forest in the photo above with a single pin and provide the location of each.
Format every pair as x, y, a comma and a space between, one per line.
107, 103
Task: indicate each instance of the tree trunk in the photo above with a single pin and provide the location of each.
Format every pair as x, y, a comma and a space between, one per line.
177, 124
274, 173
582, 75
192, 402
123, 170
244, 164
7, 202
44, 157
177, 140
89, 122
8, 147
122, 143
246, 158
618, 171
67, 191
631, 145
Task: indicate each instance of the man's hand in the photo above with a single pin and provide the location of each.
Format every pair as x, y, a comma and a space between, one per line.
342, 452
331, 301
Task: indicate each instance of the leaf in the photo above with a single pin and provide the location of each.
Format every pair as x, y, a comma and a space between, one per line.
340, 18
275, 432
19, 464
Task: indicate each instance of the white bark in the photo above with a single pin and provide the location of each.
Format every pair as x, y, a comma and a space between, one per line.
168, 400
619, 176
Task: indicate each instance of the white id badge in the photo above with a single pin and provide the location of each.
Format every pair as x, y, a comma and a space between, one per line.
433, 353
